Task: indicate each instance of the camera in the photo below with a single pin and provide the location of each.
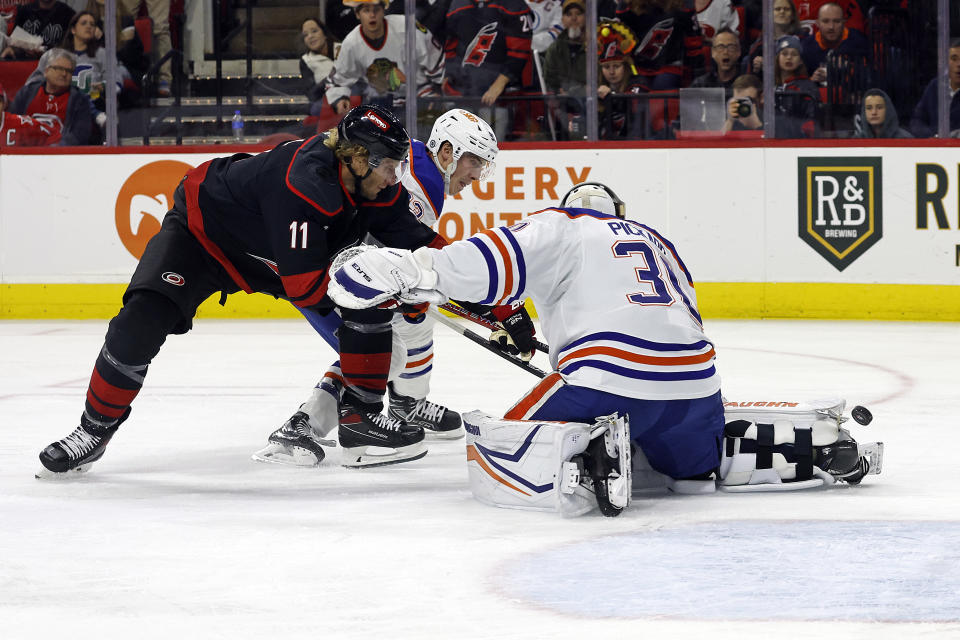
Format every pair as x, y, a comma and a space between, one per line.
744, 107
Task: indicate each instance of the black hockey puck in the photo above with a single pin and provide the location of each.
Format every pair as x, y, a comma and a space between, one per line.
862, 415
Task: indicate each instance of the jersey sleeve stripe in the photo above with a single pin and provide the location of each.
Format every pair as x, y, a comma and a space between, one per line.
507, 263
491, 269
298, 193
521, 263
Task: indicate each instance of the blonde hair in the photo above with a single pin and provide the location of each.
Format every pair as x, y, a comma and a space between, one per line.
343, 151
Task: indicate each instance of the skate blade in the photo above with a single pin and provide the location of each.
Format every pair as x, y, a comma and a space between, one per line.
46, 474
372, 456
453, 434
288, 456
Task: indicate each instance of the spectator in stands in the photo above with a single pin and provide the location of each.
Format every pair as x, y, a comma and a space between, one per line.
878, 117
725, 51
565, 69
316, 64
45, 18
671, 51
488, 46
130, 51
714, 15
159, 13
748, 96
22, 131
565, 63
808, 12
372, 60
54, 97
620, 116
796, 96
835, 38
924, 123
785, 23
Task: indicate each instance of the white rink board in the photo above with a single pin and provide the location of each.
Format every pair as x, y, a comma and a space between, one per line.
733, 213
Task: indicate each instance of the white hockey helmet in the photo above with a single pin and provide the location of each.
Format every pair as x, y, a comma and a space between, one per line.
466, 133
596, 196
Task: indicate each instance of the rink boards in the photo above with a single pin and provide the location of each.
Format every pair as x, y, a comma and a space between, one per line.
819, 231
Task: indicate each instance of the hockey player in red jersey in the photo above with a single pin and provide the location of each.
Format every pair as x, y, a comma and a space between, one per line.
268, 223
23, 131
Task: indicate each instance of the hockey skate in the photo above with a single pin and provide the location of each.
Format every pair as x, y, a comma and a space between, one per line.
78, 451
436, 420
605, 467
371, 439
294, 444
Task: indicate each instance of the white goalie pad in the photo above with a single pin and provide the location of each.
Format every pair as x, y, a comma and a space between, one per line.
537, 465
786, 446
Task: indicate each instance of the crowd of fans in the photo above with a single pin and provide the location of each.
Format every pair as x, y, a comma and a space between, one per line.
838, 67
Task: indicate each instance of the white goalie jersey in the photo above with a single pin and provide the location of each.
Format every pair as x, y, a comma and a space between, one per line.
615, 301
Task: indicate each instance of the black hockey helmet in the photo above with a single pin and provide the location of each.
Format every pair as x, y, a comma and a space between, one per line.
377, 130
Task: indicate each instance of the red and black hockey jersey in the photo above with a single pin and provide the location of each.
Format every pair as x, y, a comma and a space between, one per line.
275, 220
23, 131
670, 45
485, 39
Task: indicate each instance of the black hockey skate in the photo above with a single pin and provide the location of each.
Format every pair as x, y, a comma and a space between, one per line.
436, 420
842, 460
294, 443
371, 439
79, 450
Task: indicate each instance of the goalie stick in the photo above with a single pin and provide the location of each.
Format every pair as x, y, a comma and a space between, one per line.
457, 310
483, 342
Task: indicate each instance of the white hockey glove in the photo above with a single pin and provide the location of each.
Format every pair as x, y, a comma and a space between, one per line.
365, 276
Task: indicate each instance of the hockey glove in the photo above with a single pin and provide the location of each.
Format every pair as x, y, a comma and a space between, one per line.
516, 337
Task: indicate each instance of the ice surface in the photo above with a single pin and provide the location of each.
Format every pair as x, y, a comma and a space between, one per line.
177, 534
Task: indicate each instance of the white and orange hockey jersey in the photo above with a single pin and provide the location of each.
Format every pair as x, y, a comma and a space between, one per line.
615, 301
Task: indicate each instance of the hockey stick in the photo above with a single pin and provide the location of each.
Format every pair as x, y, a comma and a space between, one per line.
483, 342
457, 310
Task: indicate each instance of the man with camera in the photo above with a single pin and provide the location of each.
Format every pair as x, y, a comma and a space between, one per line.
746, 105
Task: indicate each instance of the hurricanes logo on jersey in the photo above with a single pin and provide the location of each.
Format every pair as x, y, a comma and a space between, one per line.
840, 206
480, 45
655, 40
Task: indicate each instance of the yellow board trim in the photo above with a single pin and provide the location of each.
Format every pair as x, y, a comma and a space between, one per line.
716, 300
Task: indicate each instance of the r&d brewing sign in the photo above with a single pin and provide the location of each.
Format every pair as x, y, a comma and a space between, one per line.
840, 206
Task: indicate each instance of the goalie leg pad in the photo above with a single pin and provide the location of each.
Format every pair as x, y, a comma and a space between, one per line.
788, 446
546, 466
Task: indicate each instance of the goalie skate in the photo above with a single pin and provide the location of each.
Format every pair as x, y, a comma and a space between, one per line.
294, 444
370, 439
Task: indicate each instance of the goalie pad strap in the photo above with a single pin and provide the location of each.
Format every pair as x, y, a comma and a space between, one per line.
803, 452
764, 446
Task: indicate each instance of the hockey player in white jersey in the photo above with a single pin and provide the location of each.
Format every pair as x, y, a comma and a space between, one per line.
628, 352
373, 57
461, 149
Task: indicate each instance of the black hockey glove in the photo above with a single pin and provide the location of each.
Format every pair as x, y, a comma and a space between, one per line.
516, 337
